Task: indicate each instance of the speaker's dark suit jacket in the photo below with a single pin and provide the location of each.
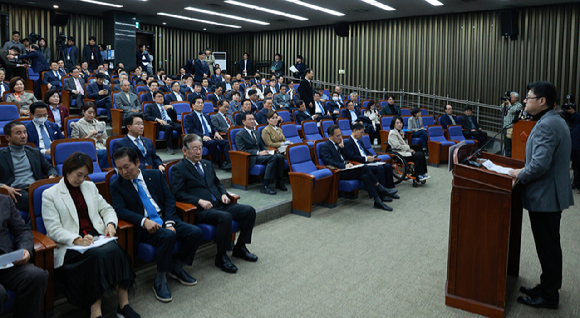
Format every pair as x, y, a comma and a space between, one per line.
37, 60
351, 151
152, 158
245, 142
331, 156
40, 166
248, 67
51, 128
189, 186
302, 116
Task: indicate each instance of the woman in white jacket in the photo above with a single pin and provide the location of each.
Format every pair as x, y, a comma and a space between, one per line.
399, 144
75, 214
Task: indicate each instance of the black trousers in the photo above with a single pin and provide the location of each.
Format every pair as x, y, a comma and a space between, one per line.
105, 103
221, 216
169, 128
576, 167
384, 174
546, 231
274, 166
418, 158
29, 282
164, 240
214, 151
478, 135
364, 174
22, 202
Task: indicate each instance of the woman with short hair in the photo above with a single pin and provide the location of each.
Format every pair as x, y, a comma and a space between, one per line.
20, 97
90, 127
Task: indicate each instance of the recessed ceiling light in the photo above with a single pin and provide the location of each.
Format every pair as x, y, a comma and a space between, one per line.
313, 7
204, 29
55, 6
251, 6
164, 23
103, 3
229, 16
435, 2
198, 20
379, 5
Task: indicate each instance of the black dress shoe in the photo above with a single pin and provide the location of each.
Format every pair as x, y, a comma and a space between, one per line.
533, 292
394, 196
243, 253
281, 186
226, 166
382, 206
385, 198
267, 190
537, 302
225, 264
392, 191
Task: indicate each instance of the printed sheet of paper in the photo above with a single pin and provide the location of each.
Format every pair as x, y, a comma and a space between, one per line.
99, 241
493, 167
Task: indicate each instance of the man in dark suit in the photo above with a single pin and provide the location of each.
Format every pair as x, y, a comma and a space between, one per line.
4, 87
201, 68
205, 88
166, 119
261, 116
235, 88
248, 140
300, 67
149, 96
546, 190
175, 94
222, 121
100, 93
71, 53
332, 155
92, 54
355, 150
76, 86
198, 123
16, 173
40, 131
471, 127
448, 118
246, 108
189, 68
216, 96
352, 115
196, 93
334, 105
320, 110
143, 198
37, 60
10, 65
277, 66
245, 66
305, 90
167, 87
52, 78
188, 87
302, 113
193, 180
143, 146
142, 57
28, 280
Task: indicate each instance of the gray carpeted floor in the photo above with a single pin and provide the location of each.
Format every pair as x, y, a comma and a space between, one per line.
351, 261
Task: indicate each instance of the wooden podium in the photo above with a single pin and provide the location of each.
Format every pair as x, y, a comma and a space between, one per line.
484, 236
522, 130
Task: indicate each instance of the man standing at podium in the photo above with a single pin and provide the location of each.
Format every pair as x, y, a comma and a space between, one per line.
547, 190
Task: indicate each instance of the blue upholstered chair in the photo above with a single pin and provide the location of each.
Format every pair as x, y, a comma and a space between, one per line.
311, 132
286, 116
438, 145
240, 160
344, 126
348, 186
324, 124
63, 148
428, 121
405, 112
366, 140
385, 129
207, 108
291, 133
67, 121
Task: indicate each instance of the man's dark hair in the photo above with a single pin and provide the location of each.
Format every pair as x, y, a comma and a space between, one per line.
221, 102
252, 92
36, 106
151, 83
299, 57
142, 45
104, 63
195, 99
160, 70
92, 37
393, 96
445, 108
308, 71
125, 152
283, 86
467, 107
299, 103
53, 62
157, 93
173, 84
246, 114
331, 129
546, 90
35, 47
358, 126
348, 102
72, 39
196, 84
317, 93
278, 55
8, 127
15, 49
268, 98
335, 93
245, 100
15, 32
129, 120
76, 161
101, 75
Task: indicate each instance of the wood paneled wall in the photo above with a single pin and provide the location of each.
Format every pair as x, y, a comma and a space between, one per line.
30, 20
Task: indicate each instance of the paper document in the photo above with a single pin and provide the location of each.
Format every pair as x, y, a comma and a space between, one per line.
354, 167
293, 69
376, 163
493, 167
282, 149
271, 152
6, 260
98, 241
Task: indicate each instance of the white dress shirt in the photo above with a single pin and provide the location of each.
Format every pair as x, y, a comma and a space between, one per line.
56, 115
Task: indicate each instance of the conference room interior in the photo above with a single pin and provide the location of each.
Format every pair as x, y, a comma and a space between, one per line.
344, 259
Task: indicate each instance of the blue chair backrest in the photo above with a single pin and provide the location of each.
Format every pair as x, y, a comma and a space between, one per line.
233, 133
366, 140
458, 118
169, 174
424, 112
296, 86
63, 150
343, 112
299, 159
318, 145
405, 112
384, 104
141, 88
236, 117
6, 96
207, 108
325, 125
8, 113
33, 76
357, 98
291, 133
260, 128
365, 103
113, 100
310, 130
285, 115
386, 123
327, 93
111, 147
183, 121
70, 121
436, 134
181, 107
141, 97
455, 133
37, 203
428, 121
406, 122
344, 126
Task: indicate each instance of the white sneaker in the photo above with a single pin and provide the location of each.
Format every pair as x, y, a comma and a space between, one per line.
424, 177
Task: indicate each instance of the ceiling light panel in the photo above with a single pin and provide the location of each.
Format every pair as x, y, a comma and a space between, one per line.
379, 5
435, 2
276, 12
315, 7
182, 17
103, 3
226, 15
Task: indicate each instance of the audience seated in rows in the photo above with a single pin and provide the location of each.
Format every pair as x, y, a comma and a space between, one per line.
166, 119
123, 77
90, 127
267, 106
320, 110
144, 148
235, 103
282, 100
149, 96
398, 143
373, 115
75, 85
216, 96
334, 105
166, 86
246, 108
175, 95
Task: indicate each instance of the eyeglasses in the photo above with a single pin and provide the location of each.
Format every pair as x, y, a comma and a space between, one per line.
528, 97
194, 149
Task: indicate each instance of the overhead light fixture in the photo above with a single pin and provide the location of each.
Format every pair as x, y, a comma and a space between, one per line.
55, 6
198, 20
314, 7
103, 3
164, 23
226, 16
276, 12
204, 29
379, 5
435, 2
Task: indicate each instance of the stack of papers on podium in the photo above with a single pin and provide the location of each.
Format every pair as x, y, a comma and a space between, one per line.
493, 167
98, 241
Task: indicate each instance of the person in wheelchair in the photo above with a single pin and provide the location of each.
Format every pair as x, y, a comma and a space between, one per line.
399, 144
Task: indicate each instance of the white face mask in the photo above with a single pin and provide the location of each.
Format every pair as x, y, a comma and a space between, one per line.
335, 98
40, 121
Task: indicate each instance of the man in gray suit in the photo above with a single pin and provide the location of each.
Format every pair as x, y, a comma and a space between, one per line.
282, 100
547, 190
76, 86
222, 120
128, 101
123, 77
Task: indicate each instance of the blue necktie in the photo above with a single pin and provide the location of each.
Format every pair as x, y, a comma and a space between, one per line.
45, 137
206, 126
321, 109
163, 114
362, 147
140, 146
200, 170
151, 211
